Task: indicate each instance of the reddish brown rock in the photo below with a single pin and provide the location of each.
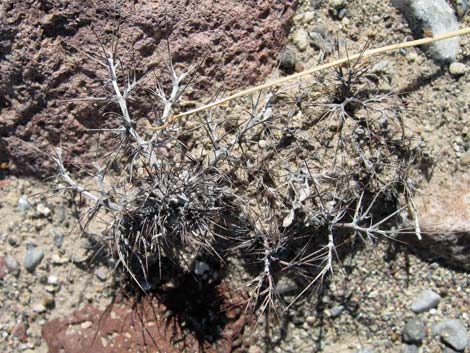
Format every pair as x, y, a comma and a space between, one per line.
144, 327
19, 331
43, 60
444, 215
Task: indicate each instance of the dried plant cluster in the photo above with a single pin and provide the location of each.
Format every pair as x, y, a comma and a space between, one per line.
280, 184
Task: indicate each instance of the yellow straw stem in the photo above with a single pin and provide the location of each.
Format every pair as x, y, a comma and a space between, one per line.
298, 75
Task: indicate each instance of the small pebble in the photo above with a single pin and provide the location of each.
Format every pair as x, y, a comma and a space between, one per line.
101, 274
60, 214
412, 57
58, 260
201, 268
54, 280
287, 60
33, 257
457, 69
452, 333
39, 308
86, 324
43, 210
301, 39
11, 264
425, 301
57, 238
262, 144
414, 331
51, 289
48, 300
23, 204
336, 311
342, 14
337, 4
308, 16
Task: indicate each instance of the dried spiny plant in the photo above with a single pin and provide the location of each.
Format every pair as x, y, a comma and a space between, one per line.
283, 184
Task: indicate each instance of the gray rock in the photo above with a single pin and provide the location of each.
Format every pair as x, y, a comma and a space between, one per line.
33, 257
201, 268
101, 274
414, 331
433, 17
457, 69
23, 204
11, 264
286, 286
336, 311
287, 60
337, 4
39, 308
425, 301
308, 17
452, 333
342, 13
409, 348
57, 238
60, 214
301, 39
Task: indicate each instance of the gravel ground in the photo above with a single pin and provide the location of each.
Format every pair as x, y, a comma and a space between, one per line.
365, 304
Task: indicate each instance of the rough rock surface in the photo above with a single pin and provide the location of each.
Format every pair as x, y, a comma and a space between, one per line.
444, 215
44, 47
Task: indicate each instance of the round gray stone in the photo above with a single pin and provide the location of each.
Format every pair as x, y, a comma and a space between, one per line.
457, 69
425, 301
414, 331
301, 39
287, 60
336, 311
11, 264
23, 204
452, 333
33, 257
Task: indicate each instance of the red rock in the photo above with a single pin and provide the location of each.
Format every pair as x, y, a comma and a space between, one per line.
130, 327
444, 216
19, 331
45, 42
